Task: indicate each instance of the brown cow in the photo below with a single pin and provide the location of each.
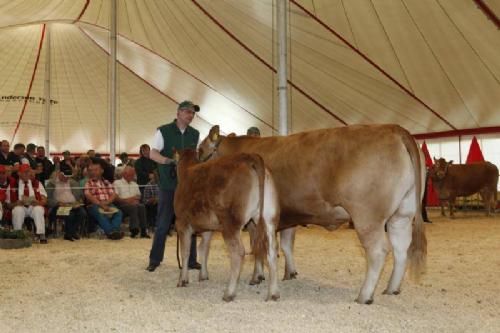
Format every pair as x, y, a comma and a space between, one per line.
461, 180
224, 195
374, 173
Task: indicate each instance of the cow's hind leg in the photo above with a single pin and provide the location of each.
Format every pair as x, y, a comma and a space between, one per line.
287, 238
203, 250
237, 253
400, 231
185, 244
376, 247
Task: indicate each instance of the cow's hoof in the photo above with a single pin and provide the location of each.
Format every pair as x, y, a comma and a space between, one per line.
367, 302
274, 297
396, 292
182, 283
291, 276
228, 298
254, 282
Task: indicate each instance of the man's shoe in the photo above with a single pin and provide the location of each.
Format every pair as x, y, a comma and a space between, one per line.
75, 237
134, 233
427, 221
43, 241
196, 265
152, 267
69, 238
145, 236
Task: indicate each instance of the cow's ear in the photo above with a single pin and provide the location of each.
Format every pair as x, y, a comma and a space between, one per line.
214, 133
450, 162
231, 135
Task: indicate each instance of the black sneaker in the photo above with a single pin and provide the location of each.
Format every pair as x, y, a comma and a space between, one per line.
151, 267
69, 238
134, 233
196, 265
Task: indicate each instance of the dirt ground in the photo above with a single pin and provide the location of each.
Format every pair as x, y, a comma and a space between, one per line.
101, 286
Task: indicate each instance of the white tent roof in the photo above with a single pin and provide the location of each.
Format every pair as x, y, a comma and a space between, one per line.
437, 66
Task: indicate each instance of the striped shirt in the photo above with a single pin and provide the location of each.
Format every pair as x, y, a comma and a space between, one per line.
150, 191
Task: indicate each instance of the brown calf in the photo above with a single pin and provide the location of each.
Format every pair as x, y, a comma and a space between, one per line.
224, 195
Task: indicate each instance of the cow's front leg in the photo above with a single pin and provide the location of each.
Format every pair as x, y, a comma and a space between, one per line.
203, 250
451, 204
237, 253
287, 238
185, 245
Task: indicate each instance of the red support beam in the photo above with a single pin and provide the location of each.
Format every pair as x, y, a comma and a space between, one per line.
460, 132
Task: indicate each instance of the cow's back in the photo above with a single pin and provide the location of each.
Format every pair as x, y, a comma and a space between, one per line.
467, 179
349, 166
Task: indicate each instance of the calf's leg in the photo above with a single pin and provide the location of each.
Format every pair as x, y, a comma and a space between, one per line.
236, 253
184, 235
287, 238
203, 250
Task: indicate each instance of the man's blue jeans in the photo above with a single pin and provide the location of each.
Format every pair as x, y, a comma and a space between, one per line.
107, 223
164, 219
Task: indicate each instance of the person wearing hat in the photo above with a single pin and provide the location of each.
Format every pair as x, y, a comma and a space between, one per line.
253, 131
175, 136
26, 196
63, 191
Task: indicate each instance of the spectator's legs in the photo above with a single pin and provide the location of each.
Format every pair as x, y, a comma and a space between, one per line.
132, 212
18, 215
116, 220
37, 213
141, 214
102, 220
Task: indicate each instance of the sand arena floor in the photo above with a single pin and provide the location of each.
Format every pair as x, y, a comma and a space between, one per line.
101, 286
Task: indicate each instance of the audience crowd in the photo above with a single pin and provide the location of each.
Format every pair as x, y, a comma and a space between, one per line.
86, 192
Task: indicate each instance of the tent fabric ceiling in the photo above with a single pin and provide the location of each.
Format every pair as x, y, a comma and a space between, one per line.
223, 55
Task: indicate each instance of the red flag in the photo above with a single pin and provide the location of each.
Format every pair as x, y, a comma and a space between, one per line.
432, 198
475, 153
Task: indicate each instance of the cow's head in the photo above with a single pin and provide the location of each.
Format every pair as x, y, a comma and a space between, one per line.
208, 147
184, 159
439, 169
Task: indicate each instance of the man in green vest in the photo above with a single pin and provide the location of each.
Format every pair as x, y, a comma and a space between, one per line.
171, 137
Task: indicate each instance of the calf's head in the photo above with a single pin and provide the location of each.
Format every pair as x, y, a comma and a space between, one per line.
208, 147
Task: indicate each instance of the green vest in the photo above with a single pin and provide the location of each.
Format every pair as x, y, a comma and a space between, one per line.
173, 138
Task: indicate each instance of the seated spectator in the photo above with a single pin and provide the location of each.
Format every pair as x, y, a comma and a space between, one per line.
5, 181
144, 166
63, 191
26, 196
30, 155
67, 163
129, 201
47, 166
99, 192
16, 158
150, 199
4, 153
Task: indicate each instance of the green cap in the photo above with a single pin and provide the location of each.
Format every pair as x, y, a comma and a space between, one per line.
253, 131
188, 105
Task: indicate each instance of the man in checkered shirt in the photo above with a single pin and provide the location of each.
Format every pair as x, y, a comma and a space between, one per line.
100, 193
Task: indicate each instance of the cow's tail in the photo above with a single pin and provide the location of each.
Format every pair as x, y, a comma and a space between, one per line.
260, 243
417, 252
